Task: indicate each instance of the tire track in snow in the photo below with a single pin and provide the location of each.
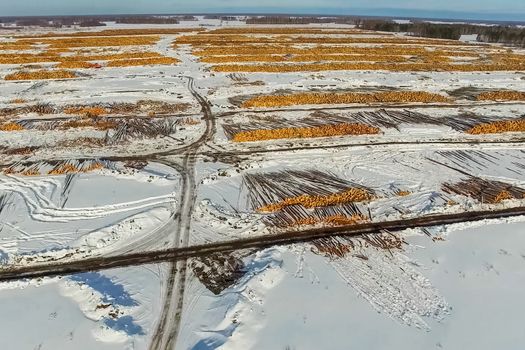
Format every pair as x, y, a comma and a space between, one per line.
165, 336
42, 209
392, 286
80, 265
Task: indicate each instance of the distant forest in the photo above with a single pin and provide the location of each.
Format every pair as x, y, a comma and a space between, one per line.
502, 34
222, 18
508, 35
93, 21
147, 20
289, 20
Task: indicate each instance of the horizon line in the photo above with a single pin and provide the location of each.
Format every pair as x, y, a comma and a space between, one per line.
298, 14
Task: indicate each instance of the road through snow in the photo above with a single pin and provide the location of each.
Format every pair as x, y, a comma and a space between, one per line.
165, 335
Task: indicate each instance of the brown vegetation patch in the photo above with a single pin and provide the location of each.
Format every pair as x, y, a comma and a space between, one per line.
143, 62
388, 50
41, 75
395, 67
342, 98
501, 96
305, 132
332, 247
63, 169
27, 59
15, 46
377, 119
498, 127
78, 65
21, 151
332, 220
120, 32
89, 56
403, 193
219, 271
303, 58
206, 39
281, 30
89, 142
140, 128
97, 41
54, 168
144, 107
79, 59
350, 195
11, 127
39, 108
340, 247
484, 191
88, 111
149, 107
89, 123
190, 121
277, 56
294, 198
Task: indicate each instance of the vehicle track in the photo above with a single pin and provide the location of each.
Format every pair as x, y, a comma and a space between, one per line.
259, 242
367, 106
166, 332
160, 157
254, 150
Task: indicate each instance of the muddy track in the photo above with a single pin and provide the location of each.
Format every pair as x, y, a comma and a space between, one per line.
166, 332
174, 277
159, 157
259, 150
260, 242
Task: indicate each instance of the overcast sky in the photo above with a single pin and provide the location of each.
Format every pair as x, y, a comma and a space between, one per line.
476, 8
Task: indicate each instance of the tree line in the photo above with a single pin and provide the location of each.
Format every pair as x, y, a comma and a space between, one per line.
508, 35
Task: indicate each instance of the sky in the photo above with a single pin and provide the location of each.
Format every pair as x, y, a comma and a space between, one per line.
465, 9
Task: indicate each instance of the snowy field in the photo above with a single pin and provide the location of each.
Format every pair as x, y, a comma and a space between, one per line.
132, 157
466, 289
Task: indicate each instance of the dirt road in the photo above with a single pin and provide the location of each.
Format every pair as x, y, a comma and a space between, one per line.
165, 334
259, 242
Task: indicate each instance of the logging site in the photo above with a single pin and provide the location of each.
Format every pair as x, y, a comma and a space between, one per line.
285, 182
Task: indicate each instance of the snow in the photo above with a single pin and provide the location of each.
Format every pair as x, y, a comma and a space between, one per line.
321, 310
461, 290
55, 321
105, 210
78, 311
469, 37
402, 21
477, 271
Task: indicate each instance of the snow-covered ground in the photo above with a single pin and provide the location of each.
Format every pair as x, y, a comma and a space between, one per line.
49, 217
453, 287
466, 289
107, 212
111, 310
